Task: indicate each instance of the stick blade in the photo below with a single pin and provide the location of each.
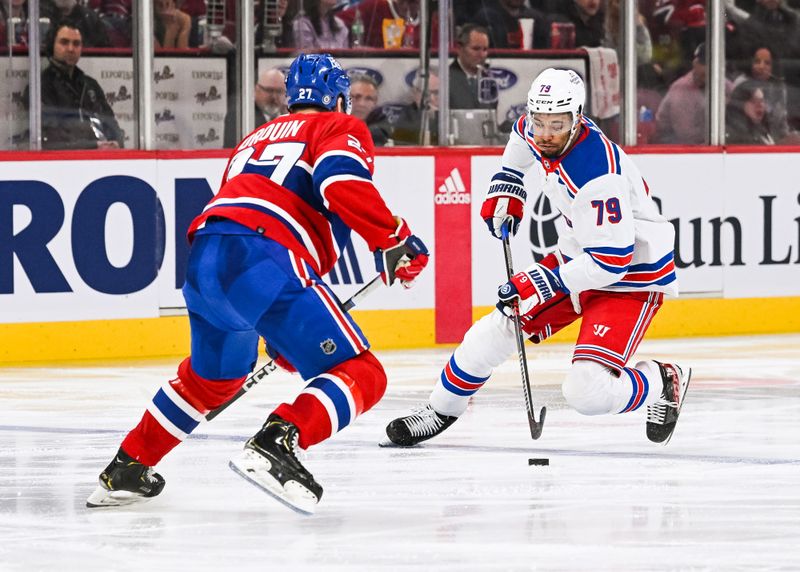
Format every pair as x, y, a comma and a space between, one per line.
536, 428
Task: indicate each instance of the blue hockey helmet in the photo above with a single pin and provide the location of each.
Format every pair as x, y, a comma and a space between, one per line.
319, 80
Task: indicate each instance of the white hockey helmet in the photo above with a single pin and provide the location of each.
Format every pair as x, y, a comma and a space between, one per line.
557, 91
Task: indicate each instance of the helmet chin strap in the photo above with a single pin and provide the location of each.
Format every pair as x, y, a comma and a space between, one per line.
573, 133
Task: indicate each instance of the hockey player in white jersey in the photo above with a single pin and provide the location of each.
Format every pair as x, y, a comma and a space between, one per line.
612, 268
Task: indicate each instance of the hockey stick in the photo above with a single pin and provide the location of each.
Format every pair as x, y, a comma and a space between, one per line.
271, 366
536, 428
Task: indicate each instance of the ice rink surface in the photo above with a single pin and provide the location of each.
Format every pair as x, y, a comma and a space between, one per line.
723, 495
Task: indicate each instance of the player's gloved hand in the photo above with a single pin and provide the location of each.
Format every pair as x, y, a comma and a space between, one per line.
404, 259
534, 286
505, 201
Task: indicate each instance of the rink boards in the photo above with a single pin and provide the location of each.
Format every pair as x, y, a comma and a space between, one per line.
92, 250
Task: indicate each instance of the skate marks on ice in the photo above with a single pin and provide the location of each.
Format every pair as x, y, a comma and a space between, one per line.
722, 496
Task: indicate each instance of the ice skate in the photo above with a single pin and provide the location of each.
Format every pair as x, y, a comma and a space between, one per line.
422, 424
663, 415
125, 481
269, 461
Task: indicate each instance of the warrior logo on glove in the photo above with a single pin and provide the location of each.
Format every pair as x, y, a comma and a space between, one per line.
533, 287
505, 202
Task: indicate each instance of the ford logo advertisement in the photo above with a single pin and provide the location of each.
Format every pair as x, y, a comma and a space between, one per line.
505, 78
373, 73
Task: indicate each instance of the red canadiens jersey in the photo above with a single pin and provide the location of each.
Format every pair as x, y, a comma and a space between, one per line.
305, 181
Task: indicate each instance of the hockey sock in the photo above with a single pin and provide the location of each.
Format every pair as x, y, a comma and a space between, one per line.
332, 400
593, 388
645, 385
487, 344
451, 394
176, 410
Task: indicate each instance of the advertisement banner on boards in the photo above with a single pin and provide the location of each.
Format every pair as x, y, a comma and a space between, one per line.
737, 224
105, 239
87, 240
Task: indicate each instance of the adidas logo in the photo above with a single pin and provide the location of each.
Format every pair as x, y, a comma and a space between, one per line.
452, 191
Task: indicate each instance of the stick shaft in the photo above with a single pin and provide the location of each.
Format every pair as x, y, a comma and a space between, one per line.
536, 428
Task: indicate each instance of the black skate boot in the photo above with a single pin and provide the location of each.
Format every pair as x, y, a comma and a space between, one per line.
663, 415
125, 481
269, 462
422, 424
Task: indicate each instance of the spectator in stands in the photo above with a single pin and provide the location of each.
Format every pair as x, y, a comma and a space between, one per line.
467, 91
93, 32
270, 102
676, 27
318, 28
588, 17
364, 95
501, 18
224, 13
171, 25
406, 126
650, 91
382, 19
274, 22
18, 29
771, 23
746, 117
761, 69
613, 33
116, 16
75, 112
681, 114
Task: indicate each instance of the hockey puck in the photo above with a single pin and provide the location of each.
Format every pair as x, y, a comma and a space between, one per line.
540, 462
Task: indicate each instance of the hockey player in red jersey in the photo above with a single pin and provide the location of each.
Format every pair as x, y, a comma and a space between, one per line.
293, 190
612, 268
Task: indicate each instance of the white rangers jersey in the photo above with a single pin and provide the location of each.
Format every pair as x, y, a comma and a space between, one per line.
615, 238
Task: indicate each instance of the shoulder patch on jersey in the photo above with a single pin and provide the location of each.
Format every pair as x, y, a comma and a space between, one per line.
591, 158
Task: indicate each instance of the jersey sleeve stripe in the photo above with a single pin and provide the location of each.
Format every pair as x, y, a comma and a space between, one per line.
519, 174
339, 153
340, 164
616, 265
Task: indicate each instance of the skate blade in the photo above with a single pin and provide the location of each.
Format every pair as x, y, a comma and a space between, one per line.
102, 498
253, 468
387, 443
683, 398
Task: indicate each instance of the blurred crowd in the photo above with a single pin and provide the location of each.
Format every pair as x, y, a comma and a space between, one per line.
762, 39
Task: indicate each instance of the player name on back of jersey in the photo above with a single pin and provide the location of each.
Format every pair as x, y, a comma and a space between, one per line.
273, 131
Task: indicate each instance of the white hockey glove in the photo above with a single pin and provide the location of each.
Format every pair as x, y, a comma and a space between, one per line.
536, 285
505, 201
